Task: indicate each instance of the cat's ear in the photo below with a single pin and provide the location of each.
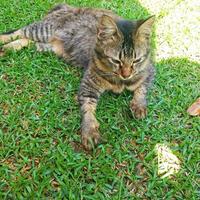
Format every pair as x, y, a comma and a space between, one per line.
107, 28
145, 28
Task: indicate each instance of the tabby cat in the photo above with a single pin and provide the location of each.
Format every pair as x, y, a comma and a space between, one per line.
114, 52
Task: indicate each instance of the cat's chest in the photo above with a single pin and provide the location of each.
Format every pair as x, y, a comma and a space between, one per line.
121, 86
117, 88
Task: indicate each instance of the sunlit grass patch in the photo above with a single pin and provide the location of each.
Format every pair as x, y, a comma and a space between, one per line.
177, 28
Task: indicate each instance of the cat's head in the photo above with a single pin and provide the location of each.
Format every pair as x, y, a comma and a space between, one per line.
123, 46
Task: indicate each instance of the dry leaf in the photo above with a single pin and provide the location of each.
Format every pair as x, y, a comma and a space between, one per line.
10, 162
25, 124
6, 109
194, 109
55, 184
25, 168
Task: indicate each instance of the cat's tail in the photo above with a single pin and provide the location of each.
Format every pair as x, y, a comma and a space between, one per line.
13, 40
36, 32
39, 33
10, 36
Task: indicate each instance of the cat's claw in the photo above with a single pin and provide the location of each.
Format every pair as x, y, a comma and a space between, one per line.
140, 112
91, 138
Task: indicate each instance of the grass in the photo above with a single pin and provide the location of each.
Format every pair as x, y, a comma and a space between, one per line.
39, 120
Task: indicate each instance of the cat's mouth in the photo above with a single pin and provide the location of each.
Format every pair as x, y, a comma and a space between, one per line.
125, 77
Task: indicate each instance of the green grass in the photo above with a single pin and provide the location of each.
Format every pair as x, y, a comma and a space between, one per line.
39, 119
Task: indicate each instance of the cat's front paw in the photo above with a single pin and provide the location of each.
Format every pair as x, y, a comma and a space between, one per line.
90, 137
139, 111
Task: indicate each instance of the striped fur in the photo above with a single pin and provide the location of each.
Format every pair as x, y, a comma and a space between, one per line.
114, 52
39, 32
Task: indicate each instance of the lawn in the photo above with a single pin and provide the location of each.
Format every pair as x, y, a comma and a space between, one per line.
40, 119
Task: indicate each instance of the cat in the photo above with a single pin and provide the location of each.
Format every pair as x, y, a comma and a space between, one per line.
114, 52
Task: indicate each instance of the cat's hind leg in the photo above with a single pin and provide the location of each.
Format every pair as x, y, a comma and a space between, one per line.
43, 46
11, 35
21, 43
39, 32
55, 45
17, 44
14, 40
14, 45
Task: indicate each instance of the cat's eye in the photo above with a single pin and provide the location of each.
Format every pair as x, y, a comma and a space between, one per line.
138, 60
115, 61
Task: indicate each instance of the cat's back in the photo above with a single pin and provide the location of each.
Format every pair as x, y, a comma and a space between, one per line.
77, 28
64, 16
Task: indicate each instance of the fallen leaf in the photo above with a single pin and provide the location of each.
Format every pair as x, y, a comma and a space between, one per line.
25, 124
5, 108
25, 168
109, 150
36, 162
55, 184
121, 165
194, 109
10, 162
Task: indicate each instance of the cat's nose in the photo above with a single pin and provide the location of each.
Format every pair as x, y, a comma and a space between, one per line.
126, 73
